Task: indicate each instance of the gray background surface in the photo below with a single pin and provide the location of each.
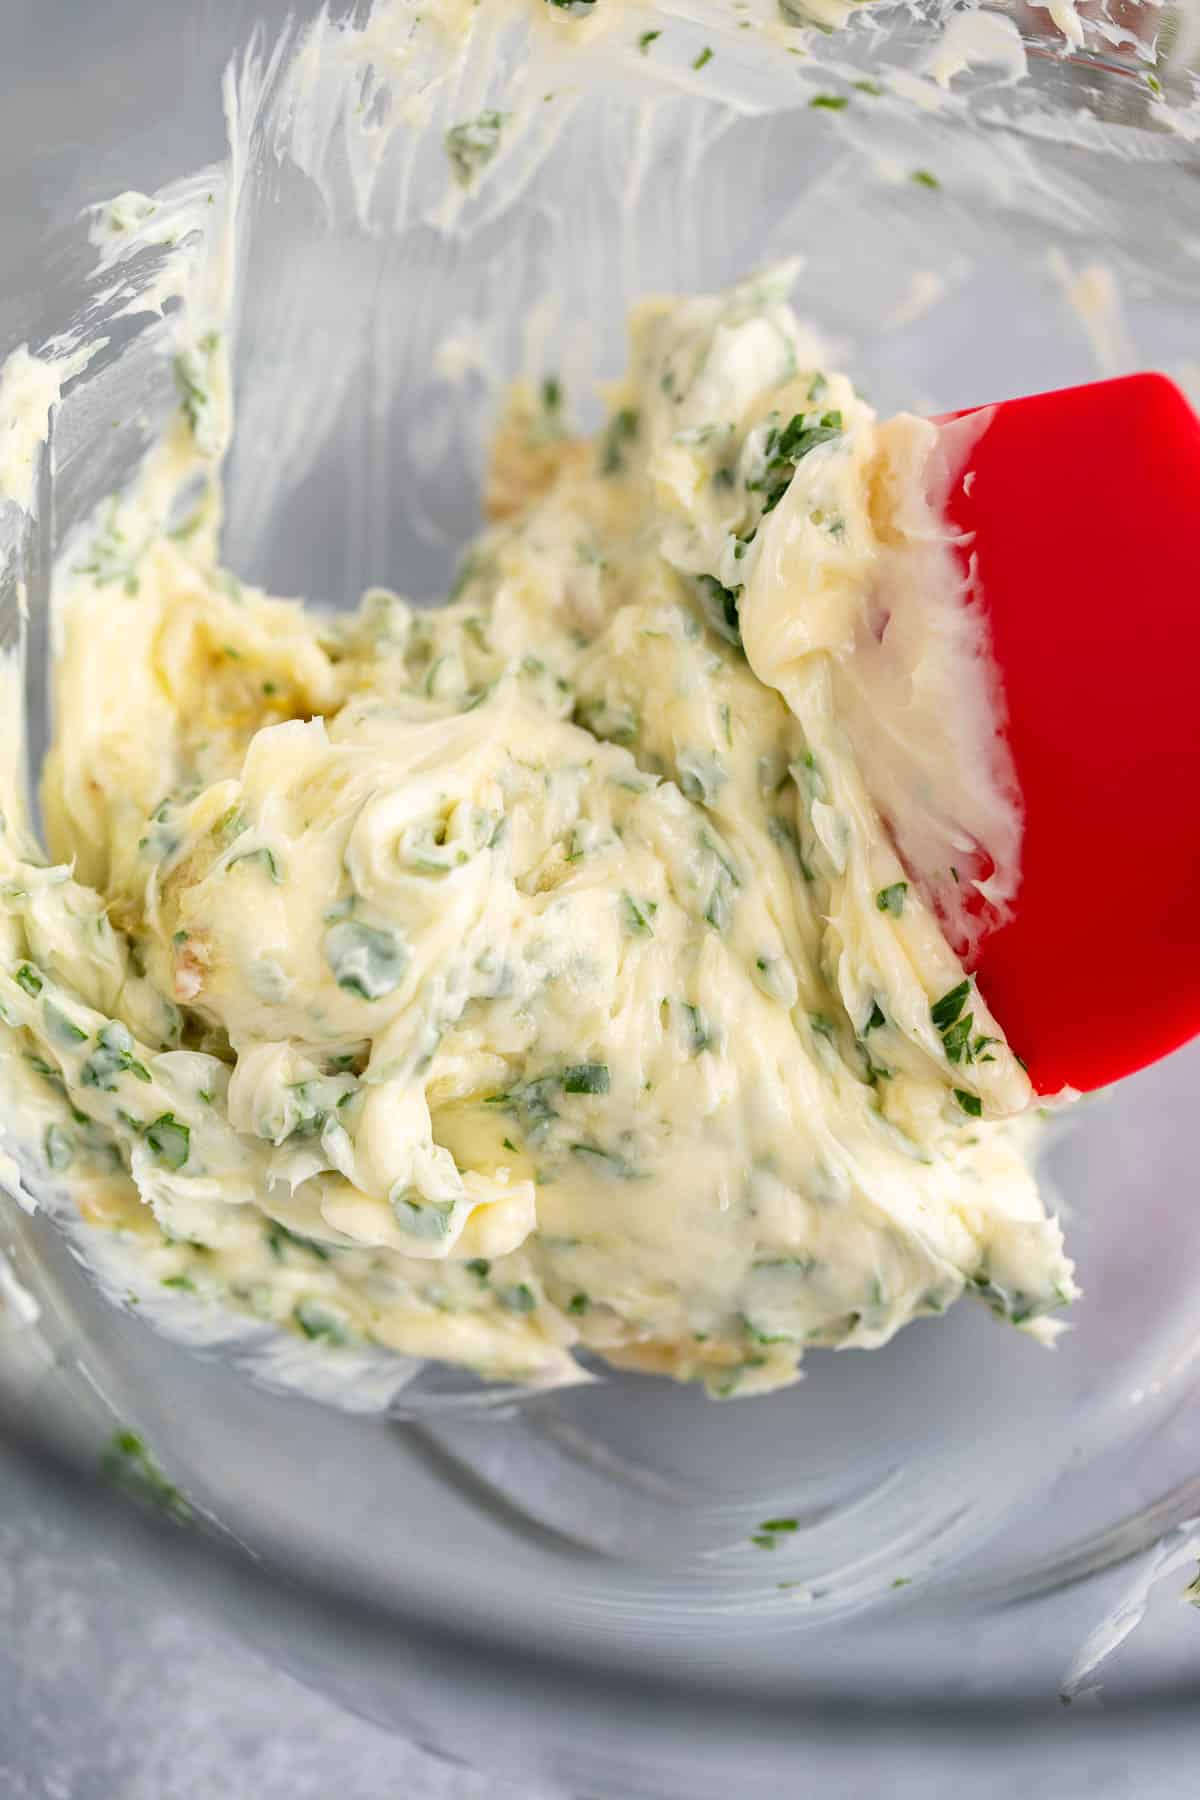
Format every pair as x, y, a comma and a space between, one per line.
109, 1690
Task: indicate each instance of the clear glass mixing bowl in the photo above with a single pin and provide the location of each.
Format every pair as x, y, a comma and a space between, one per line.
566, 1586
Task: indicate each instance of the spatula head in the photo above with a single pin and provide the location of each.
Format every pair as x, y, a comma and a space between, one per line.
1084, 507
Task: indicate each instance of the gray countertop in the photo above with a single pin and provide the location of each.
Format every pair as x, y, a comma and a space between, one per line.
111, 1691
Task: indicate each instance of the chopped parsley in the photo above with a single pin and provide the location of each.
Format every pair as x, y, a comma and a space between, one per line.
956, 1027
59, 1148
705, 56
367, 960
170, 1140
830, 102
943, 1012
471, 144
130, 1464
957, 1039
586, 1078
28, 978
604, 1162
622, 427
279, 1238
720, 607
113, 1056
925, 179
646, 39
783, 450
701, 775
518, 1299
636, 916
891, 899
265, 857
59, 1027
318, 1321
422, 1218
971, 1104
699, 1031
193, 395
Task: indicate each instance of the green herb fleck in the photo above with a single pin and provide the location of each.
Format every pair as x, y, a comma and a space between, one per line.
925, 179
59, 1027
193, 395
577, 1305
472, 144
279, 1238
423, 1218
170, 1140
265, 857
636, 916
720, 606
367, 960
780, 1525
59, 1148
586, 1078
131, 1465
943, 1012
480, 1267
701, 775
957, 1040
317, 1321
112, 1057
230, 825
705, 56
784, 449
699, 1031
830, 102
646, 39
28, 978
605, 1162
622, 427
891, 899
970, 1103
518, 1299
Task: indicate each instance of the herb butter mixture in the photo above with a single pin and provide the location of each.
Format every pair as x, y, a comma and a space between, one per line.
537, 975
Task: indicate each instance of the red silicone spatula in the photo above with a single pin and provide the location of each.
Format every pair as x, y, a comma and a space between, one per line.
1084, 507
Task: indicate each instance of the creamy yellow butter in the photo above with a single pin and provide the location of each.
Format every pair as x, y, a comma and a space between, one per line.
538, 974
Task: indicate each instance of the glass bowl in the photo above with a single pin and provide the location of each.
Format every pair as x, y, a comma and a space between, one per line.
575, 1585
